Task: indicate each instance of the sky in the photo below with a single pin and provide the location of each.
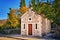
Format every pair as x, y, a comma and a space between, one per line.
6, 4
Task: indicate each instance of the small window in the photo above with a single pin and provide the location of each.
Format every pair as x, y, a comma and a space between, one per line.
24, 26
29, 18
36, 26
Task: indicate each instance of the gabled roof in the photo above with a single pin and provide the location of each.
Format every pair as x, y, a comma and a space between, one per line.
30, 10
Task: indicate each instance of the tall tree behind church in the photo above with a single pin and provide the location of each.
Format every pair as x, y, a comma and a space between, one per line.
33, 5
22, 3
38, 5
23, 7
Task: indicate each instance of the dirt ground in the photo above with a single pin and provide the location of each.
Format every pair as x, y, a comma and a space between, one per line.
10, 38
18, 38
6, 38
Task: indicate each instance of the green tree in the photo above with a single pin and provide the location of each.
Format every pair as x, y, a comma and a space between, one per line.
33, 5
38, 6
56, 6
48, 11
23, 7
43, 8
22, 3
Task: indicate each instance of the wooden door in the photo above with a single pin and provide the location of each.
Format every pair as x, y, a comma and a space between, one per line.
29, 29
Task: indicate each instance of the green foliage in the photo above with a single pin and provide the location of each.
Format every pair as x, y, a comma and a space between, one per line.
38, 5
44, 8
56, 6
22, 8
22, 3
52, 12
33, 5
48, 11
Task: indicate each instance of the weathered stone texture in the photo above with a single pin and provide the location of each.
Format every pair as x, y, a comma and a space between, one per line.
43, 24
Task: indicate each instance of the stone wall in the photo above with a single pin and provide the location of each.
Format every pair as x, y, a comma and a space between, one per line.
48, 26
43, 24
24, 31
36, 32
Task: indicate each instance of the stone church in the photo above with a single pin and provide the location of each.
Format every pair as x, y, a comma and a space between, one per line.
34, 24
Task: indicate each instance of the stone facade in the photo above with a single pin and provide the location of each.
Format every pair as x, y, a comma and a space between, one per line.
39, 24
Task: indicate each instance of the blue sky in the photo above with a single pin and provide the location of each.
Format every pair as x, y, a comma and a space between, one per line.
6, 4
